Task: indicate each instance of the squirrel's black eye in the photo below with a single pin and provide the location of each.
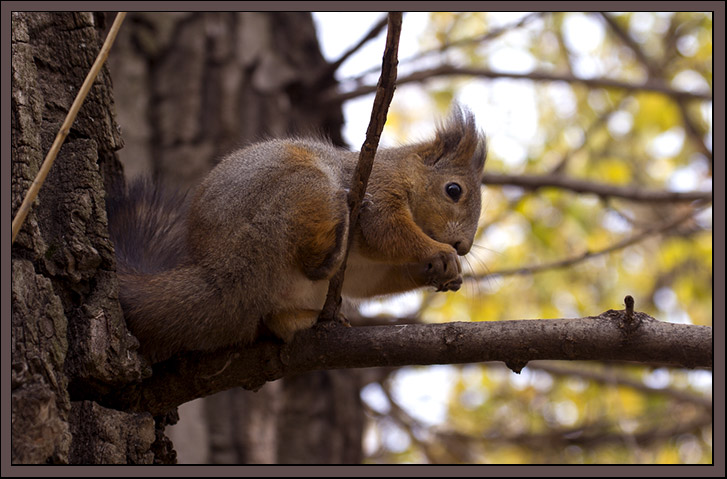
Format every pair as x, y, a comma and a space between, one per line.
454, 191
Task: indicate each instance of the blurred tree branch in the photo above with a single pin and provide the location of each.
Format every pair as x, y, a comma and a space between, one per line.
370, 35
479, 40
655, 73
612, 377
593, 435
633, 193
563, 263
651, 69
459, 446
412, 427
445, 70
439, 447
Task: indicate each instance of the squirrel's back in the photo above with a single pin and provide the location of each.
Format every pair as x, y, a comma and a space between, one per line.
258, 237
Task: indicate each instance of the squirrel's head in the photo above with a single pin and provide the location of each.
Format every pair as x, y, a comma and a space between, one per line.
447, 200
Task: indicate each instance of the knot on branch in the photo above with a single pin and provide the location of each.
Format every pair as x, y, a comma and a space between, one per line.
451, 335
628, 320
516, 365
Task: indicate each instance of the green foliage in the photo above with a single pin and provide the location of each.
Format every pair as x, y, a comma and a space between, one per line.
637, 138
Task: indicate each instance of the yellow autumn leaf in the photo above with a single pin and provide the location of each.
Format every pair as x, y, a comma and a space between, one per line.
673, 252
631, 402
614, 171
443, 99
656, 111
668, 455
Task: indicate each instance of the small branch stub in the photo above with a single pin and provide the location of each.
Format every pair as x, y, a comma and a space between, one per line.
630, 320
629, 302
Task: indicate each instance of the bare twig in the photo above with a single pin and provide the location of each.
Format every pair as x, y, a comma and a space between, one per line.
451, 70
491, 35
693, 131
651, 69
633, 193
655, 71
598, 434
410, 425
373, 33
564, 50
384, 94
66, 127
589, 254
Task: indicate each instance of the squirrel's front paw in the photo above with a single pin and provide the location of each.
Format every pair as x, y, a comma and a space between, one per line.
443, 271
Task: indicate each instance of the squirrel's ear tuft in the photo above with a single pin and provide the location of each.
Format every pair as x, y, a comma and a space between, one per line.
459, 141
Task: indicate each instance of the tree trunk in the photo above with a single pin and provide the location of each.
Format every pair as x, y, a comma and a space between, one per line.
193, 86
322, 421
190, 87
69, 339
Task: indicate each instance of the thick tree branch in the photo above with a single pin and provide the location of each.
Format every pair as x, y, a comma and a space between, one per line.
633, 193
451, 70
609, 336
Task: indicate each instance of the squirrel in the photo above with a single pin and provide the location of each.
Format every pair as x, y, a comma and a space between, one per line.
256, 243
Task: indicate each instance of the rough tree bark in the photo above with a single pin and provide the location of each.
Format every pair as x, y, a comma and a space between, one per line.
189, 88
69, 339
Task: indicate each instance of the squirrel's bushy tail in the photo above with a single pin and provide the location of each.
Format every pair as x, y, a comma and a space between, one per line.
147, 226
170, 303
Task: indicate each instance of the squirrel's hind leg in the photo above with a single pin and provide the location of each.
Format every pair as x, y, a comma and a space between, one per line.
322, 232
284, 324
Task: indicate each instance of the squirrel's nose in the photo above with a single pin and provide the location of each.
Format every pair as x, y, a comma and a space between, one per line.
461, 247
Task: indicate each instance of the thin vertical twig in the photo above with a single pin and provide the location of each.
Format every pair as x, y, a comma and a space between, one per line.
382, 100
